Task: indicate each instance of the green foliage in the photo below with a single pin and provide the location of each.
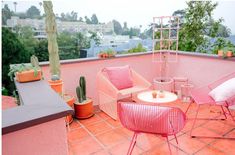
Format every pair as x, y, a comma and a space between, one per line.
81, 90
138, 48
6, 14
41, 50
33, 12
13, 52
192, 32
117, 27
26, 36
20, 68
94, 19
4, 91
222, 44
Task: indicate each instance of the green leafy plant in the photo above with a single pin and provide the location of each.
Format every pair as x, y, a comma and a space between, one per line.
138, 48
21, 68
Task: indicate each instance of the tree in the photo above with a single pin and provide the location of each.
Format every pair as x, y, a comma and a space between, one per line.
15, 3
95, 37
117, 27
192, 32
88, 21
6, 14
13, 52
80, 19
41, 50
62, 16
94, 19
26, 36
33, 12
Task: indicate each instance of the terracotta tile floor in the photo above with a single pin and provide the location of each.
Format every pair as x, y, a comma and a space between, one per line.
101, 135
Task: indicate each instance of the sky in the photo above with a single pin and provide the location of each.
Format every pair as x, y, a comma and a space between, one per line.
134, 12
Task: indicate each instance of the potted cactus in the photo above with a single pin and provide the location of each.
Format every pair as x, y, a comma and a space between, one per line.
84, 106
56, 84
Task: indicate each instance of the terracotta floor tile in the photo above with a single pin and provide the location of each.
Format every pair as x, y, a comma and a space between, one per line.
231, 134
189, 124
122, 148
101, 152
92, 120
201, 131
188, 144
85, 147
164, 150
103, 115
149, 141
114, 123
218, 126
77, 135
124, 131
225, 145
110, 138
210, 151
74, 125
99, 127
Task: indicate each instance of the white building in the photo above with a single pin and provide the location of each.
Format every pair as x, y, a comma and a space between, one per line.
39, 26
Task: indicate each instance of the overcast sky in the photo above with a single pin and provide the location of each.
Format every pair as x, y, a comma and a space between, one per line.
134, 12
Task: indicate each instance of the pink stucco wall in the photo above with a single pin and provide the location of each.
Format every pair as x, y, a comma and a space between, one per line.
45, 139
199, 70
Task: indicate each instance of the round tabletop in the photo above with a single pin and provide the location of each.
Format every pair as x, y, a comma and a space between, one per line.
147, 96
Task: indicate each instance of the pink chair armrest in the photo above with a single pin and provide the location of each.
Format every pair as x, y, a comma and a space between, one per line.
139, 80
106, 86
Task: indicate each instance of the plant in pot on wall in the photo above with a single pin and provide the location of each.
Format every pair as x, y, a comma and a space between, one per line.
51, 30
84, 106
26, 72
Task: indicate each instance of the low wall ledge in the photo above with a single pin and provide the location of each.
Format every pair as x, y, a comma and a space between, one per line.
81, 60
40, 104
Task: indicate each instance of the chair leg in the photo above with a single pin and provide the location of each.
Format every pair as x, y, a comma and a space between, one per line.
194, 121
230, 113
188, 107
168, 144
133, 142
223, 112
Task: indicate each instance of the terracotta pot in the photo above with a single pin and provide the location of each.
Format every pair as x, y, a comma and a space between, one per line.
56, 85
229, 53
220, 53
84, 110
70, 100
27, 76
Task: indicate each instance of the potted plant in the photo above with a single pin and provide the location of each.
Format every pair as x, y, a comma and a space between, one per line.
25, 73
70, 101
56, 84
51, 30
84, 106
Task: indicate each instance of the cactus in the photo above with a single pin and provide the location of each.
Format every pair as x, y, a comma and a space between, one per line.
34, 61
81, 90
55, 77
82, 83
79, 94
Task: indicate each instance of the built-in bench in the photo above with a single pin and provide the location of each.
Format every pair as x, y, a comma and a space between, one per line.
39, 120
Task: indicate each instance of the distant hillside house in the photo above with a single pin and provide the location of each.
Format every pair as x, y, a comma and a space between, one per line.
39, 26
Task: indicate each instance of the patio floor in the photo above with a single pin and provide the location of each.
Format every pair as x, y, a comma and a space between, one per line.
101, 135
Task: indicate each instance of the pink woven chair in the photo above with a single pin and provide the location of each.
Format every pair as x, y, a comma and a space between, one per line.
200, 96
108, 94
144, 118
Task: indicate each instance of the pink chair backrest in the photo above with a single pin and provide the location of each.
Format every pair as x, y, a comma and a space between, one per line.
150, 118
221, 80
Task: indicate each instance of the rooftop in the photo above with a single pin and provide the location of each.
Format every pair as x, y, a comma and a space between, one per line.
102, 135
